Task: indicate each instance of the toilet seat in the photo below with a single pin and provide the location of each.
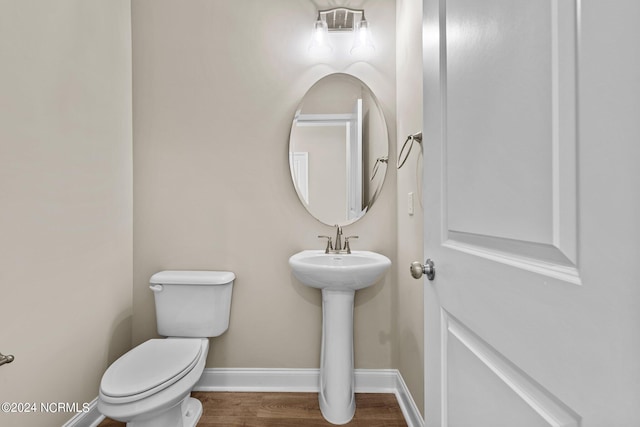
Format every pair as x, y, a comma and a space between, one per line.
149, 368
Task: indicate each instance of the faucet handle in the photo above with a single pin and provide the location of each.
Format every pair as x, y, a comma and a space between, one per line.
329, 243
346, 243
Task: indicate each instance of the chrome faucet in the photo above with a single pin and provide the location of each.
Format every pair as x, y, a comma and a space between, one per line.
338, 244
338, 248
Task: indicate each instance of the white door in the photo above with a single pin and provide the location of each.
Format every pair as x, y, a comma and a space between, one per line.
532, 212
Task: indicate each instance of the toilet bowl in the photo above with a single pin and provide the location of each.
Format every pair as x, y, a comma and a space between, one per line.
151, 384
155, 379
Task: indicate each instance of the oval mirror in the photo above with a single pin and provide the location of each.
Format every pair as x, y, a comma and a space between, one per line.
338, 149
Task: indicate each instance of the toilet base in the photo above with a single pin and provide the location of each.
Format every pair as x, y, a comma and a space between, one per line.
184, 414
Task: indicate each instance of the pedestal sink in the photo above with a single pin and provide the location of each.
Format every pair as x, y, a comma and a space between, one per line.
338, 276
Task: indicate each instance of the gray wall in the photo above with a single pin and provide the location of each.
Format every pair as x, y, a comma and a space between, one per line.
216, 85
65, 199
409, 355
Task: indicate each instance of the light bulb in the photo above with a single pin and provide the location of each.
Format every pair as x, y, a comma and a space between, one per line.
320, 38
362, 41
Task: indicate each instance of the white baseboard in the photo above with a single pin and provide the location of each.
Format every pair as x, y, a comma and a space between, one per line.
407, 404
308, 380
287, 380
91, 418
258, 380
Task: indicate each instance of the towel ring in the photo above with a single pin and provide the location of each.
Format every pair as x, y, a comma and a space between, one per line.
376, 166
411, 138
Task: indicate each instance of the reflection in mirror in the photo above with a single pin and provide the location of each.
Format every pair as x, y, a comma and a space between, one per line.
338, 149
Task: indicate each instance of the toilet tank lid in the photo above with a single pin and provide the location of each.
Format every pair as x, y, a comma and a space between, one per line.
184, 277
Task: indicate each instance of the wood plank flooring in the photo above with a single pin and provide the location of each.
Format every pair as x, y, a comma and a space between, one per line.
287, 410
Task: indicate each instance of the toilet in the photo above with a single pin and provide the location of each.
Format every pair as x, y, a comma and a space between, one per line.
151, 384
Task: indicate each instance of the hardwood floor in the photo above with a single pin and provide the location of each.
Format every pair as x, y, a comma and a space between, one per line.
287, 410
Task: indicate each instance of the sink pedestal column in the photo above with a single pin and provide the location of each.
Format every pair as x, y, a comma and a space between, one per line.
337, 399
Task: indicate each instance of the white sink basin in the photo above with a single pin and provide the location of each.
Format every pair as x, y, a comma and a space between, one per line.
353, 271
339, 277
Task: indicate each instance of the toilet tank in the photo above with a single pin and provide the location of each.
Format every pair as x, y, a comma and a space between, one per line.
192, 303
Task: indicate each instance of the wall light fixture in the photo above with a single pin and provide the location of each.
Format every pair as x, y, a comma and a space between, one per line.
342, 19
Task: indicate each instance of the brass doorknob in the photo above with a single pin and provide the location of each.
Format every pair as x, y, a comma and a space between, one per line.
418, 269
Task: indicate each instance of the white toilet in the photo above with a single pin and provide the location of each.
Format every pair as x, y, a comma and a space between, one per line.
151, 384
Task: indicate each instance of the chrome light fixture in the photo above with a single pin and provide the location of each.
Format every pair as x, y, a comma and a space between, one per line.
341, 19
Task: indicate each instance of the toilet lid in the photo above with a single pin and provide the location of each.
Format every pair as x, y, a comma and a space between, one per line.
154, 364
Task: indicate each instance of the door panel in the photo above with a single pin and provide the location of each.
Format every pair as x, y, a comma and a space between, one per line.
533, 314
487, 389
510, 188
480, 167
487, 399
